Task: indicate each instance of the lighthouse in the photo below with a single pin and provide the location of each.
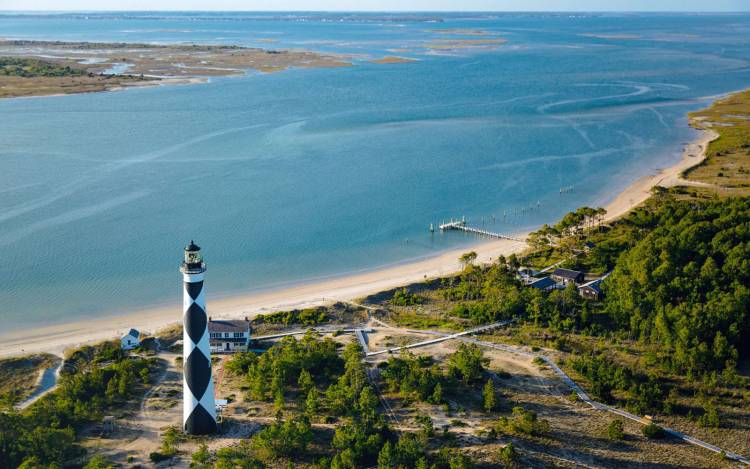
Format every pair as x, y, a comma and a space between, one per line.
199, 411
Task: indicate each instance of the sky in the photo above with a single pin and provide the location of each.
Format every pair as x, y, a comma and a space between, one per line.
381, 5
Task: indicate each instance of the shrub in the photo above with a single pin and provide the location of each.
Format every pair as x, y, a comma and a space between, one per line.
158, 457
615, 431
525, 422
508, 455
710, 417
402, 297
652, 431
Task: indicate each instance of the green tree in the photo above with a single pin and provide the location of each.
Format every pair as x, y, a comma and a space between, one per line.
489, 397
144, 375
467, 363
312, 403
652, 431
437, 394
710, 417
283, 438
468, 258
170, 438
387, 458
201, 458
615, 430
508, 456
523, 421
305, 381
98, 462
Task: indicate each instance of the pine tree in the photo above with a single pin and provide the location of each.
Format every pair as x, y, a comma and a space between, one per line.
488, 393
312, 403
278, 402
387, 457
508, 455
437, 394
305, 381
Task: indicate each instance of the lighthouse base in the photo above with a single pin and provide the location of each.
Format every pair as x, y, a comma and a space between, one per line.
200, 422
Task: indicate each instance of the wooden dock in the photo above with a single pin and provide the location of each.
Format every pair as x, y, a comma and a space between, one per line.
461, 225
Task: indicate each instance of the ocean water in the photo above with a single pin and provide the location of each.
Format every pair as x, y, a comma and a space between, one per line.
311, 173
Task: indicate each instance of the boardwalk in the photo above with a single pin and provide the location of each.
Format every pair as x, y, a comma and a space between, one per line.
461, 225
604, 407
442, 336
319, 330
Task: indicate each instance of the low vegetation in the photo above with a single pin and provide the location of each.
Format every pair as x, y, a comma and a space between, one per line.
727, 166
523, 422
100, 379
305, 317
419, 378
29, 68
19, 375
312, 381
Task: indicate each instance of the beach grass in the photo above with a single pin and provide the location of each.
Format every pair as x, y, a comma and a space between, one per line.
19, 375
726, 168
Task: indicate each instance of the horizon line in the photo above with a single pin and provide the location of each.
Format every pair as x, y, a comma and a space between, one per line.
33, 11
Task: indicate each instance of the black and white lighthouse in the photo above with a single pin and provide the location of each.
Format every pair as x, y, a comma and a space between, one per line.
199, 411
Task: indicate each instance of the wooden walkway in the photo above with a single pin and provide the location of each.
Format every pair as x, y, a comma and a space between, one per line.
460, 225
588, 400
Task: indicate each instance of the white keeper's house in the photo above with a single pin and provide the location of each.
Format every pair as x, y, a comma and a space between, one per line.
228, 335
130, 340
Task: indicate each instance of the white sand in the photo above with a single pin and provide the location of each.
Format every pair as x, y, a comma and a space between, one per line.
55, 339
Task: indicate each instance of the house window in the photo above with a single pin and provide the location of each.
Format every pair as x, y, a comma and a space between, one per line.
238, 334
226, 335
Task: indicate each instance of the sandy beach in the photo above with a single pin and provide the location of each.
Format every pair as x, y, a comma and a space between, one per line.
55, 339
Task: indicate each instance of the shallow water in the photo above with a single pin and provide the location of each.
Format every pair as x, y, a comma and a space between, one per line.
303, 174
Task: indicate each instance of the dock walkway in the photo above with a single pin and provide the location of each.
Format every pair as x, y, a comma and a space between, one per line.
460, 225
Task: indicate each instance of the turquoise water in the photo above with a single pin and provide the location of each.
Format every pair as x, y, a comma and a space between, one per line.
309, 173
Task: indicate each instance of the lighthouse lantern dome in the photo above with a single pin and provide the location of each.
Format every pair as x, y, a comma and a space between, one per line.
193, 262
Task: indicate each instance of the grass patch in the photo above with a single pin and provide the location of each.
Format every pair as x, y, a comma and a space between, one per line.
18, 375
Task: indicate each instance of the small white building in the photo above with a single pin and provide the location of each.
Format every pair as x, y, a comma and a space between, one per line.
228, 336
130, 340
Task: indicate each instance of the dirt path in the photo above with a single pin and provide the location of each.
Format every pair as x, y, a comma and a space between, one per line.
136, 437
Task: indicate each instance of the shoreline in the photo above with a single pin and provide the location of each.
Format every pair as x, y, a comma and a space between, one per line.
55, 339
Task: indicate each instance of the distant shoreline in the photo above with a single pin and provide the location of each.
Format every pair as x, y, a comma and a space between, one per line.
36, 68
55, 339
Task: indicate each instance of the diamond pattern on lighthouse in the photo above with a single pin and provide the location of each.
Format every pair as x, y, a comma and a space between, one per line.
195, 322
199, 412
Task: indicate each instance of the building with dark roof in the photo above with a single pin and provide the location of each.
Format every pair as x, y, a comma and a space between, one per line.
545, 283
566, 276
591, 290
228, 335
